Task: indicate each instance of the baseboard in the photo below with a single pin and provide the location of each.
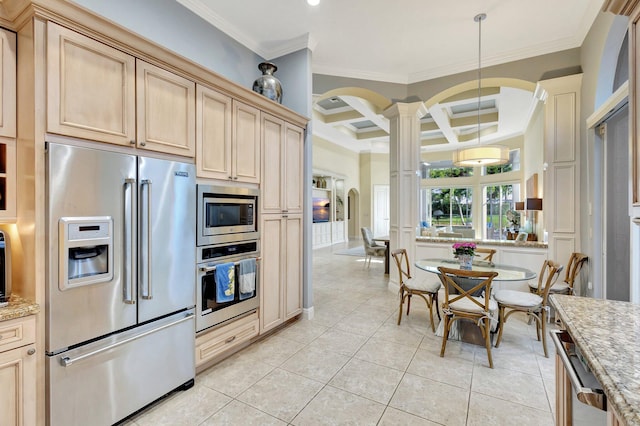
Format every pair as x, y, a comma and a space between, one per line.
308, 313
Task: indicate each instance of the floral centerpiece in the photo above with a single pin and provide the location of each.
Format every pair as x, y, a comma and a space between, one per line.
461, 249
464, 253
514, 219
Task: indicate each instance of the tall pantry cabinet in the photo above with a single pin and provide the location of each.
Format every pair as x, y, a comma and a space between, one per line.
281, 222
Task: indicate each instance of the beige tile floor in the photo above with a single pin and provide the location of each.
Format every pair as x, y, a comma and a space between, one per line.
352, 365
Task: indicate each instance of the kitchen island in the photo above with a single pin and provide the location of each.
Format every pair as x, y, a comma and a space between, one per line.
607, 333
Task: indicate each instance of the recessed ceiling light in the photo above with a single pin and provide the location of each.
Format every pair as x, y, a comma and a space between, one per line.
313, 2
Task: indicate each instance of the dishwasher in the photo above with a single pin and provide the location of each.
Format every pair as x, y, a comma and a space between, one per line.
588, 403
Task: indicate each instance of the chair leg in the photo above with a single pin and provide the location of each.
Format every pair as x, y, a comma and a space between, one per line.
543, 322
537, 327
408, 303
487, 339
445, 336
500, 326
400, 308
434, 299
430, 304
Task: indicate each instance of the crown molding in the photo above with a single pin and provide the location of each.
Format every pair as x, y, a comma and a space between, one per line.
620, 7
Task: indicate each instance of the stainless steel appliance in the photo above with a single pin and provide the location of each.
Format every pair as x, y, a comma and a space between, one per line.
226, 214
208, 311
588, 402
120, 296
5, 269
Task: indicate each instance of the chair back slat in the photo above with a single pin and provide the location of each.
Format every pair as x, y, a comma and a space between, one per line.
487, 252
402, 262
548, 276
485, 278
576, 261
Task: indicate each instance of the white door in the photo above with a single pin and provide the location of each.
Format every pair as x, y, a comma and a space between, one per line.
380, 210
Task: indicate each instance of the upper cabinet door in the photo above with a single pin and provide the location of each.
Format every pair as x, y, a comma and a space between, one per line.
8, 84
246, 142
90, 88
213, 134
293, 158
166, 111
272, 164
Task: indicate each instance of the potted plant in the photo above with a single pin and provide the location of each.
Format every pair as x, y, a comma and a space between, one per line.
464, 252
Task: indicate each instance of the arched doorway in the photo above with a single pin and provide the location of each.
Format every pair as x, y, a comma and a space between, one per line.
353, 202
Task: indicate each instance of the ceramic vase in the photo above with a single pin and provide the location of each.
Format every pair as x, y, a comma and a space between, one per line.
466, 261
267, 85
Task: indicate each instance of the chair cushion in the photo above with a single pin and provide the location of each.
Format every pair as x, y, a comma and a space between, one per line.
561, 287
517, 298
422, 285
376, 251
467, 305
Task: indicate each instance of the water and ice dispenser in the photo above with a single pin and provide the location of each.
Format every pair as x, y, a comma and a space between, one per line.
86, 251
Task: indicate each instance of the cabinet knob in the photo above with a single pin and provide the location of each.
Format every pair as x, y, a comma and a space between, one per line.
230, 177
31, 351
132, 142
230, 339
143, 143
235, 178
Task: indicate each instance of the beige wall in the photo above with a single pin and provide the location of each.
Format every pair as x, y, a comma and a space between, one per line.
374, 170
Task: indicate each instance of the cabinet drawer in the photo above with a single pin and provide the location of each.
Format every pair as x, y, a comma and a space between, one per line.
17, 332
219, 340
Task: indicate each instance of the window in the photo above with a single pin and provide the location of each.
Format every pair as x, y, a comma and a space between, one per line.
443, 169
512, 166
447, 207
498, 201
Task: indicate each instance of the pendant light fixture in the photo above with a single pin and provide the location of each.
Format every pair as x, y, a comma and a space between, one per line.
488, 155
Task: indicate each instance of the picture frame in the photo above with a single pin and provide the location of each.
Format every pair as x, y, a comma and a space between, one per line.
522, 236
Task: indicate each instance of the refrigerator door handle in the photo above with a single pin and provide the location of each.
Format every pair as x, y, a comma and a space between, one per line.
66, 361
128, 255
145, 237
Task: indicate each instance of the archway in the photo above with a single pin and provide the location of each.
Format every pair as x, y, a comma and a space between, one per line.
353, 210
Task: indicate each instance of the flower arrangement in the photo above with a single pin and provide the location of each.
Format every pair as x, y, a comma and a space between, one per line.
460, 249
514, 218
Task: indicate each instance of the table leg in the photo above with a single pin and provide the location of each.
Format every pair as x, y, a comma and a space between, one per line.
386, 258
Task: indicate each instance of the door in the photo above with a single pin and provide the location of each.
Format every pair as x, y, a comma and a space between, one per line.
167, 237
90, 88
271, 303
84, 182
166, 111
380, 210
616, 213
292, 252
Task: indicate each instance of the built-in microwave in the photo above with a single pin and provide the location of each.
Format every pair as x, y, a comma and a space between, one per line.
226, 214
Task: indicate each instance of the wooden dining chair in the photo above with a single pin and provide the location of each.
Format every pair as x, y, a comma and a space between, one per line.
461, 304
534, 305
410, 286
566, 286
486, 252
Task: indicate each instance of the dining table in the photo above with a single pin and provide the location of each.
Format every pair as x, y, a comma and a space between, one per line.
506, 274
384, 240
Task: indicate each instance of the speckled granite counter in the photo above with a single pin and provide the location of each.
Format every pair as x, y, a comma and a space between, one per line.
502, 243
18, 308
607, 333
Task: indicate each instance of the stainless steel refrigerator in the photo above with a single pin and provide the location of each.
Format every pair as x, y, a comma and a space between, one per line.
121, 282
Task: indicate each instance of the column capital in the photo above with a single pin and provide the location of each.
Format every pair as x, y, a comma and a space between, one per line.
398, 109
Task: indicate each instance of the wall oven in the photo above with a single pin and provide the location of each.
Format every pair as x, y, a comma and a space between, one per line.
210, 311
226, 214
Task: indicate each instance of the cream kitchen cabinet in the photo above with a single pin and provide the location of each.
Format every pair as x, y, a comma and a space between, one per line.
7, 125
166, 111
282, 153
8, 84
227, 138
211, 344
18, 372
90, 88
280, 269
99, 93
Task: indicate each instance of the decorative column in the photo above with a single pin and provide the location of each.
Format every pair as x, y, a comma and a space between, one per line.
404, 183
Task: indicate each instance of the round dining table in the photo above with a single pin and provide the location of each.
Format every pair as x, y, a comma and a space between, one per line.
506, 273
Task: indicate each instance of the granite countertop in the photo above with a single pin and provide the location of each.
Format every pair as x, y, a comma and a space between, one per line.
18, 307
607, 332
504, 243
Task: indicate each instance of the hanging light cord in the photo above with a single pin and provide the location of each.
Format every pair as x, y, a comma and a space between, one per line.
479, 18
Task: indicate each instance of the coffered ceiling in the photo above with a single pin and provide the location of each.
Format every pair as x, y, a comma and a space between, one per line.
408, 41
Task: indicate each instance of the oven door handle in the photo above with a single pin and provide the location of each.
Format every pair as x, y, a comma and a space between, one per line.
592, 397
207, 268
